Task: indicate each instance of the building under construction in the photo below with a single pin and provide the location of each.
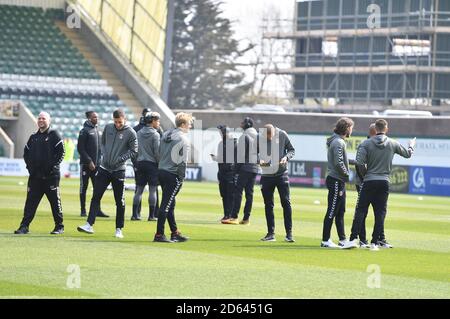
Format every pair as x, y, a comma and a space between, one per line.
371, 54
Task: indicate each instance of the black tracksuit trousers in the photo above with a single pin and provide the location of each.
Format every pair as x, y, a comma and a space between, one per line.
103, 179
336, 208
171, 185
37, 187
85, 175
268, 185
362, 231
226, 189
375, 193
139, 175
245, 181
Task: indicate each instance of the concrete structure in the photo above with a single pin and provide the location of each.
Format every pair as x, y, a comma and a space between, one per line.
146, 92
311, 123
17, 130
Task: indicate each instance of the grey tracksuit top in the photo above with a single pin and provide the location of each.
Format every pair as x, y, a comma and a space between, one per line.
284, 149
337, 158
117, 147
148, 141
378, 152
247, 152
174, 152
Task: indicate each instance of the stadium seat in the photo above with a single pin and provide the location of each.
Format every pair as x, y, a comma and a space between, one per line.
41, 67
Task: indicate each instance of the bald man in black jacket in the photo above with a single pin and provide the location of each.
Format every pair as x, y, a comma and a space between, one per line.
43, 154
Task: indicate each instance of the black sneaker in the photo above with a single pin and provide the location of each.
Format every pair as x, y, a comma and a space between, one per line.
58, 231
269, 237
384, 244
83, 214
162, 239
135, 218
289, 238
102, 214
177, 237
245, 221
22, 231
152, 219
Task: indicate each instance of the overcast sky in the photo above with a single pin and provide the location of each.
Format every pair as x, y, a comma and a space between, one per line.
247, 17
247, 14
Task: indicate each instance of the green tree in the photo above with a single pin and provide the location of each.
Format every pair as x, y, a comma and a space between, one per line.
203, 71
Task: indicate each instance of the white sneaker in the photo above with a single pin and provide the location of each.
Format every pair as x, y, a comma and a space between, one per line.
328, 244
374, 247
86, 229
343, 243
350, 244
364, 244
384, 244
119, 233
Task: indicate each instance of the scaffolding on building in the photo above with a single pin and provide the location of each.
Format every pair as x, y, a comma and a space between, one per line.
370, 54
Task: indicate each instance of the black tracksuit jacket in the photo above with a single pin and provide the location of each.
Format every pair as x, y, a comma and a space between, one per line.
43, 154
89, 144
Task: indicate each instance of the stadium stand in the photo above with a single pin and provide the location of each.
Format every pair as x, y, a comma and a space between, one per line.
2, 151
40, 66
33, 45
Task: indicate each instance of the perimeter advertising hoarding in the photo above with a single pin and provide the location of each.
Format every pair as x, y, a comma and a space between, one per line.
17, 167
306, 174
313, 174
399, 178
12, 167
429, 180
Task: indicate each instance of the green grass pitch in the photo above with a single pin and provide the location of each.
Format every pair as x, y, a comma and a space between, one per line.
222, 261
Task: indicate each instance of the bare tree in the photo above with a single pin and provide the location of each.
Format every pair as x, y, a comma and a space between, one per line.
266, 54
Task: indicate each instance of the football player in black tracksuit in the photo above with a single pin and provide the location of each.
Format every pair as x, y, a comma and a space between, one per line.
247, 168
147, 166
226, 159
359, 177
119, 144
337, 176
89, 149
43, 154
377, 153
173, 157
137, 173
275, 151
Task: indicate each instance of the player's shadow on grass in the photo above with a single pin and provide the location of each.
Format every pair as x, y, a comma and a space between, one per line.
284, 246
125, 241
228, 240
29, 235
198, 222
